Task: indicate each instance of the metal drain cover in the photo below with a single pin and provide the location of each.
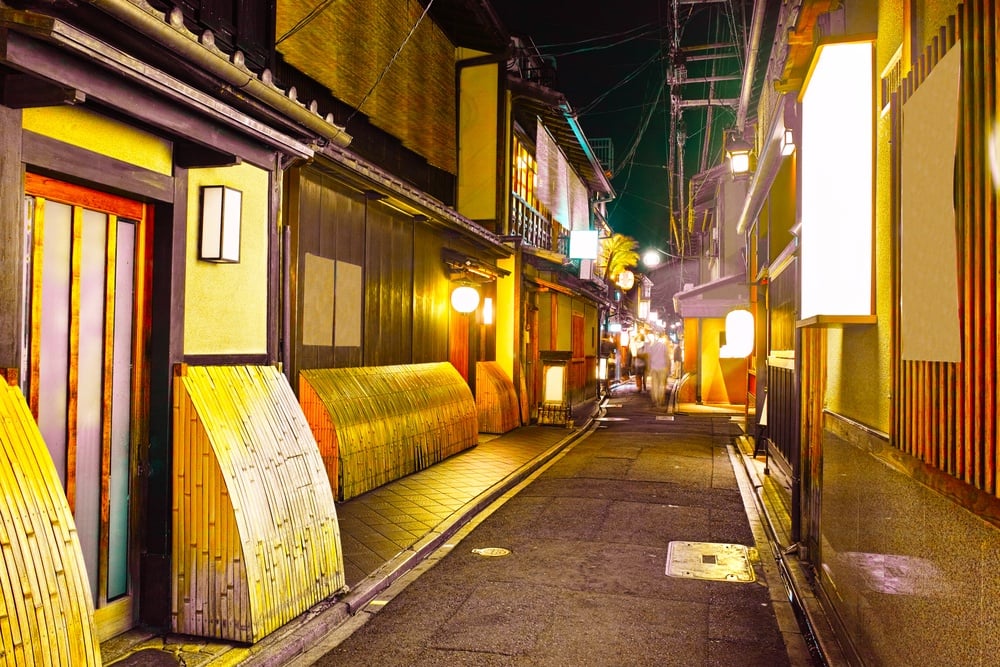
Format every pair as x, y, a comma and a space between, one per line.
491, 551
709, 560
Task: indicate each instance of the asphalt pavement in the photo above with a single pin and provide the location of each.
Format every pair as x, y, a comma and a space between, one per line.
634, 544
628, 537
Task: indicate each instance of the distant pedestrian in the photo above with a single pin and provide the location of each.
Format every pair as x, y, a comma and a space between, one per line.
678, 365
639, 358
659, 367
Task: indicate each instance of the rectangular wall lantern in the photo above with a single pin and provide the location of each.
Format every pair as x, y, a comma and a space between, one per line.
837, 158
221, 215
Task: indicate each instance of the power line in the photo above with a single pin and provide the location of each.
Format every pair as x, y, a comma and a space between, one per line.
305, 20
590, 105
389, 64
645, 28
601, 47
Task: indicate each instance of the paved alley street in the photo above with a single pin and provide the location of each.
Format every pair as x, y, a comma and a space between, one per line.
572, 568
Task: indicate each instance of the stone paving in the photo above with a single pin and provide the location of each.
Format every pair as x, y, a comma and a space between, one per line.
381, 533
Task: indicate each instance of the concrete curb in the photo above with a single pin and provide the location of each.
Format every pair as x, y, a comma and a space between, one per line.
802, 595
300, 635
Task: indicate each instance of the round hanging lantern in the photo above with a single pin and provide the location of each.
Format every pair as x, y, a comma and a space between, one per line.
626, 279
465, 299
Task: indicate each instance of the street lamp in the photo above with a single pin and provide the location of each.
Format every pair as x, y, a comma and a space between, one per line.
738, 152
651, 258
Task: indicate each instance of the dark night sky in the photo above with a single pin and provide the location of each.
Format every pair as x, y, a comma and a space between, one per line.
621, 61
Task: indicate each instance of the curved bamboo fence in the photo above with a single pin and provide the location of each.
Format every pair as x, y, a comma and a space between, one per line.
46, 612
255, 535
496, 400
375, 424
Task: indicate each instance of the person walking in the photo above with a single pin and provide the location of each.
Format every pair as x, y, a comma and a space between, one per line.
659, 367
639, 362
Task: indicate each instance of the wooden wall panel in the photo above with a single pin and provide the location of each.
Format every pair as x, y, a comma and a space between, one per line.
945, 414
48, 615
255, 535
431, 298
388, 288
328, 220
390, 421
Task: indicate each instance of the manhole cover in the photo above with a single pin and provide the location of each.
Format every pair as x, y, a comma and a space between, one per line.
709, 560
491, 551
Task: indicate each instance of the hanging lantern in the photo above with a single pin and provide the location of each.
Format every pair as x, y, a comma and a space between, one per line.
465, 298
626, 279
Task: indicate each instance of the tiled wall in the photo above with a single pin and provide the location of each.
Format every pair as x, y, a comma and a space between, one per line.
911, 576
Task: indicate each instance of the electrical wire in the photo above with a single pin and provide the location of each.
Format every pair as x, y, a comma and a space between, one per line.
305, 20
645, 27
642, 130
389, 64
601, 47
585, 109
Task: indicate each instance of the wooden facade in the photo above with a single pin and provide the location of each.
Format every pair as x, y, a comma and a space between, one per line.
945, 414
255, 536
403, 313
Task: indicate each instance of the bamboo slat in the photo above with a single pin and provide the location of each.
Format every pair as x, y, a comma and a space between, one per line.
46, 612
382, 423
496, 400
255, 535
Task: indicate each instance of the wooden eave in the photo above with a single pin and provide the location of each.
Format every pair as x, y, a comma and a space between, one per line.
364, 176
802, 44
560, 119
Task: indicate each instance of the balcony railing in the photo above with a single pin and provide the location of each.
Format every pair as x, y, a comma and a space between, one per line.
529, 224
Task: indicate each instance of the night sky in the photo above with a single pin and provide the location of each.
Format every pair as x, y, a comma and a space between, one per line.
611, 68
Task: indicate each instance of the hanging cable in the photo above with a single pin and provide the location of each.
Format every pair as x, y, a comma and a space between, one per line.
645, 30
601, 47
305, 20
389, 64
585, 109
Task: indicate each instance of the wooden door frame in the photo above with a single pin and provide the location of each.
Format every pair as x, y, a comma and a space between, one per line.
118, 615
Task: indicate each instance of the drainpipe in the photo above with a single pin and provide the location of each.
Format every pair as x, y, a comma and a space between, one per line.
753, 47
169, 30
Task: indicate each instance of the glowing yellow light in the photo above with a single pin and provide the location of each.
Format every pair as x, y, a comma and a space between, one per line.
487, 310
465, 299
739, 335
837, 221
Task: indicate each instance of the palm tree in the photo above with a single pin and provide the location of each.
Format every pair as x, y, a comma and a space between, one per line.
618, 253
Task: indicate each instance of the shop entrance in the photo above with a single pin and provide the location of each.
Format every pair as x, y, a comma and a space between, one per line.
84, 374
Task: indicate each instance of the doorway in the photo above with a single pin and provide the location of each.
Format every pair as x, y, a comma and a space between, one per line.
85, 369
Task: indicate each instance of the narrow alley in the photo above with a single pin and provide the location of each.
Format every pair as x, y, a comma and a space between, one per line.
633, 546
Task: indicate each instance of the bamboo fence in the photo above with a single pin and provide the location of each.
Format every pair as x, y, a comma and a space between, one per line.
255, 534
376, 424
46, 609
496, 400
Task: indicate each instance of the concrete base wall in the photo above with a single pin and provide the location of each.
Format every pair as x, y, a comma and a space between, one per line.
911, 576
